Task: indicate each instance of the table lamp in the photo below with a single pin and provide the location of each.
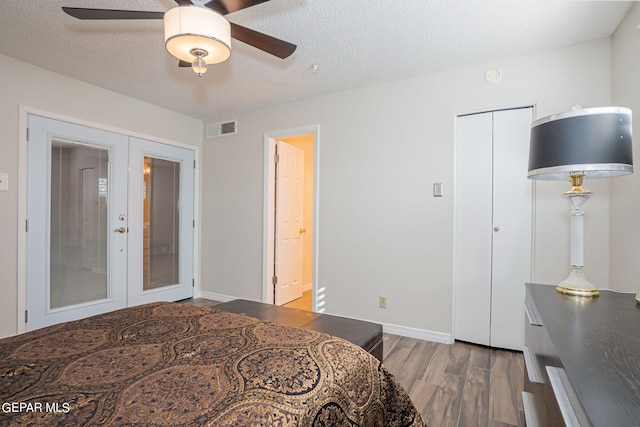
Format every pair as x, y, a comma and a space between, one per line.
578, 144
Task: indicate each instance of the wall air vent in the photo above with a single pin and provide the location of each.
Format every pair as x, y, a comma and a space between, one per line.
215, 130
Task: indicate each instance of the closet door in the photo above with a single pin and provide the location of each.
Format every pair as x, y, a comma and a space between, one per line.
473, 232
512, 225
492, 226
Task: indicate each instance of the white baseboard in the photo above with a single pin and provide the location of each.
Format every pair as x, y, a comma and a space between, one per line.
214, 296
421, 334
404, 331
307, 287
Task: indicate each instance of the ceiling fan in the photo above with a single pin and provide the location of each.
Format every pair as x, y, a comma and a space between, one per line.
196, 32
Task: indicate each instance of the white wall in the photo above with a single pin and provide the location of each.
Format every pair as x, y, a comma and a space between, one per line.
381, 149
625, 201
23, 84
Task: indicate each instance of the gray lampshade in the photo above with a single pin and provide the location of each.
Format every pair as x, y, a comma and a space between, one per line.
594, 141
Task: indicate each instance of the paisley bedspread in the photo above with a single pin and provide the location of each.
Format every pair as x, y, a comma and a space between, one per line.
177, 364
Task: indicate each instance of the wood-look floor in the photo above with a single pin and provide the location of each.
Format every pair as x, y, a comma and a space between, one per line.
462, 384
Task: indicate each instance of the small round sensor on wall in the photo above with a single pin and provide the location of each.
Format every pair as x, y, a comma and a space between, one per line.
493, 75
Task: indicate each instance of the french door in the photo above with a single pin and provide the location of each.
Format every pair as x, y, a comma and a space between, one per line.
161, 224
110, 222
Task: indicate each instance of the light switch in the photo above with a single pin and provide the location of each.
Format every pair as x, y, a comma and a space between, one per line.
4, 182
437, 189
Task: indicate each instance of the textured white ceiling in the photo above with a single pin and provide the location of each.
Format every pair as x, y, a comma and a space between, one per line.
354, 42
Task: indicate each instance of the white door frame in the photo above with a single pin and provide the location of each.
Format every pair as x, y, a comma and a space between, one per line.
269, 203
23, 121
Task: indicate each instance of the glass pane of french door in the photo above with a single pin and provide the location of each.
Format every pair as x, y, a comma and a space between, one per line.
161, 201
78, 224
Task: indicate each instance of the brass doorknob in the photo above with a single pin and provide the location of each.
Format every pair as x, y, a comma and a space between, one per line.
303, 230
121, 230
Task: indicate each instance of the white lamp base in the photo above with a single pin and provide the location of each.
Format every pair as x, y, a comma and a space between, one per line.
577, 284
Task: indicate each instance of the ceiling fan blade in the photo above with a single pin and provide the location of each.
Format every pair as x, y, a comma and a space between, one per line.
84, 13
269, 44
184, 64
184, 2
228, 6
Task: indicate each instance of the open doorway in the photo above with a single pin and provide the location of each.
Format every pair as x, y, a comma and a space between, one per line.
291, 217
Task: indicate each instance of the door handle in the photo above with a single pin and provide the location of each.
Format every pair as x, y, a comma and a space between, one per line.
121, 230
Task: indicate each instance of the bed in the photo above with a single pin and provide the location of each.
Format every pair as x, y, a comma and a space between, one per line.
178, 364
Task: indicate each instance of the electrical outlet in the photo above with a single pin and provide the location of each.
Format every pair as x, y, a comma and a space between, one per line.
383, 302
4, 182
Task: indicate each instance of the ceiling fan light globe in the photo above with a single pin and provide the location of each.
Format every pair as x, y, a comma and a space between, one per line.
199, 66
191, 27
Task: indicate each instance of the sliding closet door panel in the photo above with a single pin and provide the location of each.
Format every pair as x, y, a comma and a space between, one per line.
77, 180
473, 232
161, 222
512, 213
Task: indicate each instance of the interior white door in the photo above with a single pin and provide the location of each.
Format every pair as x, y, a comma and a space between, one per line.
289, 222
161, 222
473, 233
77, 186
493, 227
512, 225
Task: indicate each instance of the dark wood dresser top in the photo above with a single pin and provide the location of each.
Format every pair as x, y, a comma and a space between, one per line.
597, 342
